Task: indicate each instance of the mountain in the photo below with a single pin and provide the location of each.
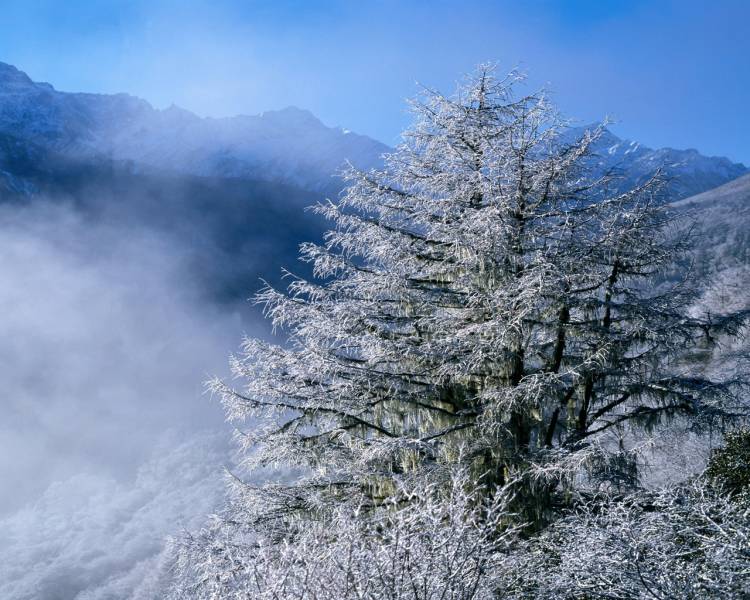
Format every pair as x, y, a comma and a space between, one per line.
687, 171
230, 231
722, 220
290, 145
231, 191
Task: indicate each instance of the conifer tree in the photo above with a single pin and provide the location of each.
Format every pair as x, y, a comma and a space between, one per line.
488, 299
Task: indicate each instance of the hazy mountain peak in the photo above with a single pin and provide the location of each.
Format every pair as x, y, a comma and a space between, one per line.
10, 76
289, 145
292, 114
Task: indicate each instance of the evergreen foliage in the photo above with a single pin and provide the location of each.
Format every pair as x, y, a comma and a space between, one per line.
730, 465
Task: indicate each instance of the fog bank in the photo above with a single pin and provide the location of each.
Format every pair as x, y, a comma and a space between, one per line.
109, 442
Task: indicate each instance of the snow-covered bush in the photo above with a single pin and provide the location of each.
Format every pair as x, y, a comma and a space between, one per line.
431, 541
680, 543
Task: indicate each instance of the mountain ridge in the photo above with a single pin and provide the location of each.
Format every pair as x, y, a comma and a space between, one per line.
687, 172
290, 145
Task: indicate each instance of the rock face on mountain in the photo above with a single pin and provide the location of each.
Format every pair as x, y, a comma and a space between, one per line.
289, 146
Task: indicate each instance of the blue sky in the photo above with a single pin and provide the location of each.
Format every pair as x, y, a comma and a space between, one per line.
673, 73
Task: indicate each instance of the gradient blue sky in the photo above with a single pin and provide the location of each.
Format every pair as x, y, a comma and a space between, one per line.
673, 73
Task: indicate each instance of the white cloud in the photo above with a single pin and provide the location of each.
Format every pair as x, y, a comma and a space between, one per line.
108, 442
93, 537
105, 345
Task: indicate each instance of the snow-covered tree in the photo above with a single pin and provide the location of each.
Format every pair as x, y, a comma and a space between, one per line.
484, 299
485, 311
690, 540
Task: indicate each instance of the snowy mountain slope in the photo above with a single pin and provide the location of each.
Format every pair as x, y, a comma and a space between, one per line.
290, 145
722, 218
688, 172
736, 193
